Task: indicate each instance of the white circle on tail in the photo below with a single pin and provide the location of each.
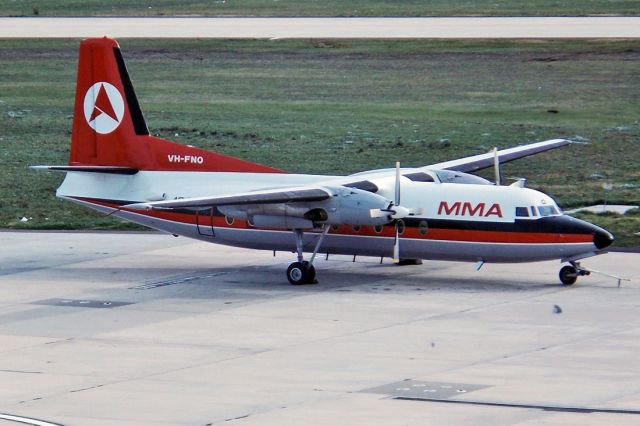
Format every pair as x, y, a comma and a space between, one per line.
103, 107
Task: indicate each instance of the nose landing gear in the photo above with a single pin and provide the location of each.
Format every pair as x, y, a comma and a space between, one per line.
569, 274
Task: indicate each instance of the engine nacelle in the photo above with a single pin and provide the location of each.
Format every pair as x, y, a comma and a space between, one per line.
347, 206
351, 206
280, 222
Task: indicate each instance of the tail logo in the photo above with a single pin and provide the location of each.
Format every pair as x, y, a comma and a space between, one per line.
103, 107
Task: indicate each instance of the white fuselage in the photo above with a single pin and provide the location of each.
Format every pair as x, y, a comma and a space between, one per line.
459, 221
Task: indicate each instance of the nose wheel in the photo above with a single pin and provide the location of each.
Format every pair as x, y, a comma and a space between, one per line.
569, 274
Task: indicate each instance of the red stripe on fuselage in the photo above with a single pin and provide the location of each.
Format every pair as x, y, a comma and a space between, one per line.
439, 234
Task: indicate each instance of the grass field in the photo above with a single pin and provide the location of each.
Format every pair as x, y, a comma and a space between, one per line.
342, 107
319, 8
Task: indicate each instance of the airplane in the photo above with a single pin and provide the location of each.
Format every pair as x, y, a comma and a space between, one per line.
437, 212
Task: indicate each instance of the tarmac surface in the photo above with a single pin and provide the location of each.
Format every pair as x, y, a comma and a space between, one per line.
147, 329
602, 208
200, 27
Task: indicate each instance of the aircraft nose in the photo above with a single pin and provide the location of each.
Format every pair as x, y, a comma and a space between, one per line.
602, 239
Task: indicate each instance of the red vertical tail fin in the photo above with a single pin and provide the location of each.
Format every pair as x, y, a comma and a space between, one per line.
107, 119
109, 128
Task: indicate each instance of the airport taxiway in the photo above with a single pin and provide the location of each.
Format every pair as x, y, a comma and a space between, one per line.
389, 28
147, 329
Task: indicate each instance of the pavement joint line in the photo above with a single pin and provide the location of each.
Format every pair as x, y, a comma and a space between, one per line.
610, 381
525, 352
502, 357
492, 305
21, 371
297, 294
179, 279
240, 356
544, 407
267, 350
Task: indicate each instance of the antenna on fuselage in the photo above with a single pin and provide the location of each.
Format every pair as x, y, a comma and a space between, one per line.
496, 165
519, 182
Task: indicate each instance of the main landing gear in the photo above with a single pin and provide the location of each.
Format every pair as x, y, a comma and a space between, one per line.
569, 274
302, 271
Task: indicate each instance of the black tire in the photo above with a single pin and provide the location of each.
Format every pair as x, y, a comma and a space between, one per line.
297, 273
311, 273
406, 262
568, 275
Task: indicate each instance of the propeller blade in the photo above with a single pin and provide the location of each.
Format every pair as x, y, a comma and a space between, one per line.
375, 213
397, 189
396, 246
399, 212
496, 165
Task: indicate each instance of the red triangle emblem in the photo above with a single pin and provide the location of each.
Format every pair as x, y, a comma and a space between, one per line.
102, 105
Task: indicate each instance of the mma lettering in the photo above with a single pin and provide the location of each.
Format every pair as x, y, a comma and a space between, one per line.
467, 208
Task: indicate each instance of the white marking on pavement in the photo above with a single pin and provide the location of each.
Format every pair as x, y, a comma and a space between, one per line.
27, 420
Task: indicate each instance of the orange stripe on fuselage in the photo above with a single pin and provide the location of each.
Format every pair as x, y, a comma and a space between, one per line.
440, 234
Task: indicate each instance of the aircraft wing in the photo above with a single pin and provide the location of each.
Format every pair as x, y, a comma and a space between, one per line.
271, 196
483, 161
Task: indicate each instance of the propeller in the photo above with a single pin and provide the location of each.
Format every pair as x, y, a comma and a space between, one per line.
396, 202
395, 212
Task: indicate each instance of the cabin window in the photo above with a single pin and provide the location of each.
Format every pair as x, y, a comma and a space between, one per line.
229, 220
547, 210
356, 228
378, 228
423, 227
400, 226
522, 212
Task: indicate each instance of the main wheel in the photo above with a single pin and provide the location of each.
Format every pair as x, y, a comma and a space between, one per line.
301, 273
568, 275
311, 273
405, 262
296, 273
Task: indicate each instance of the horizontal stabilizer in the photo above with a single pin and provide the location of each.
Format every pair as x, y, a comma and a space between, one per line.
90, 169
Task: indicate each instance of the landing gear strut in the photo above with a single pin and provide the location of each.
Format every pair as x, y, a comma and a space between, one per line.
569, 274
302, 271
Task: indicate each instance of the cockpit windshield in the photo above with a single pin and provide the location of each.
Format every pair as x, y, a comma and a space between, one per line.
548, 211
535, 212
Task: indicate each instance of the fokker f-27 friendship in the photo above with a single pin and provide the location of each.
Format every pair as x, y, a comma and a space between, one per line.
436, 212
